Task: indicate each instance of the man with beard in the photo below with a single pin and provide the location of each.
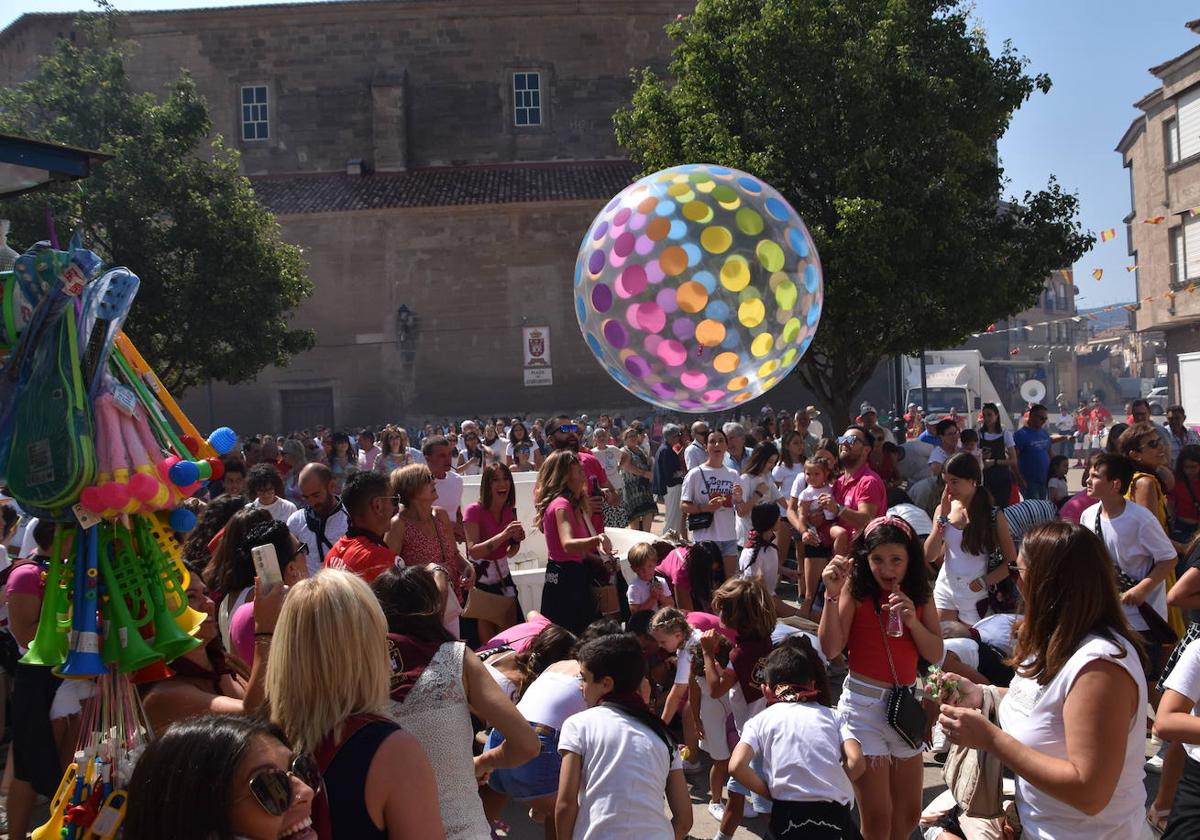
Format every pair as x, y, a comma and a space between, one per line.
322, 521
564, 434
859, 494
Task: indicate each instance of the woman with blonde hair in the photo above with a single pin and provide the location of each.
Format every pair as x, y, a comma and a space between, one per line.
422, 535
334, 706
560, 503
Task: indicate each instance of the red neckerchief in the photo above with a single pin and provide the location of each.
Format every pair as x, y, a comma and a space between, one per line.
409, 659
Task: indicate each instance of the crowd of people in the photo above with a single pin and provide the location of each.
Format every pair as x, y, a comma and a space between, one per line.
813, 616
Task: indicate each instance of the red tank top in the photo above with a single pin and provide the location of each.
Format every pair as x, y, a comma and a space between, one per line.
865, 650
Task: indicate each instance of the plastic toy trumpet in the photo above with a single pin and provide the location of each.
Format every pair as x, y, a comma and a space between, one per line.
53, 829
49, 645
127, 596
83, 651
162, 558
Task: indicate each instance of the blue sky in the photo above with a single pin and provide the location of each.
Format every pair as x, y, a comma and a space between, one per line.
1097, 52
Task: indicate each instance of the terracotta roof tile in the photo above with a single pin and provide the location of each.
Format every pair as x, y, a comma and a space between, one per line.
444, 186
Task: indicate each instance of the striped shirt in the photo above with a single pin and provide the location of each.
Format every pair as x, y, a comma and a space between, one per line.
1025, 514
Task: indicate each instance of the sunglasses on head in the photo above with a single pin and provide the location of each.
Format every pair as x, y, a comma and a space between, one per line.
272, 789
568, 429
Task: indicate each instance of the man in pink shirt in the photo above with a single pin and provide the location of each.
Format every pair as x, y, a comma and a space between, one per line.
564, 434
859, 494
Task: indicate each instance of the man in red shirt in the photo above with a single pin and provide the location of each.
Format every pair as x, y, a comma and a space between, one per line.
370, 507
564, 434
859, 494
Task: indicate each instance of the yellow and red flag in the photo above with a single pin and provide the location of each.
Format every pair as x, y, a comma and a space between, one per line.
1107, 234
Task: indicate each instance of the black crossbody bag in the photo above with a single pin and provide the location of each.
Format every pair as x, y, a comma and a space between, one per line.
905, 714
704, 519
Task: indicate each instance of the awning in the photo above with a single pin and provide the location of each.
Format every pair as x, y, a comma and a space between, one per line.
27, 165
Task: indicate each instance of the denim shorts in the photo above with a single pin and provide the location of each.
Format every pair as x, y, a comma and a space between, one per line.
535, 778
729, 548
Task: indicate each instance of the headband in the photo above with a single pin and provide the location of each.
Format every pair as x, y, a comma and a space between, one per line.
894, 521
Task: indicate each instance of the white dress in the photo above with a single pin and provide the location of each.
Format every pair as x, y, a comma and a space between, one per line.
435, 712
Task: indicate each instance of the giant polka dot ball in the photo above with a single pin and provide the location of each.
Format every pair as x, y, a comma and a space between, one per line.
698, 288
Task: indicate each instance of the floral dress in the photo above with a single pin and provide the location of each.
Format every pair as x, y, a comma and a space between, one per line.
638, 498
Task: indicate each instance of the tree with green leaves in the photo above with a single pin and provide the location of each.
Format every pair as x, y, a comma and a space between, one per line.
218, 283
879, 122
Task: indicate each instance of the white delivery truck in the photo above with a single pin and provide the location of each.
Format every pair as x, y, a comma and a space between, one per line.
1189, 385
953, 379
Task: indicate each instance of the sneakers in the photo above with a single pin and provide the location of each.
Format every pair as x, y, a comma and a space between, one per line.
940, 744
1154, 764
716, 810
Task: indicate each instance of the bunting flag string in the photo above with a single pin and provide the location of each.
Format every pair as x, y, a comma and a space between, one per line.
1107, 234
1190, 288
1097, 273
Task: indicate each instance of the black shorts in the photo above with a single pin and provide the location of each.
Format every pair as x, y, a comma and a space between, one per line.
1185, 811
35, 755
792, 820
10, 654
567, 598
1154, 654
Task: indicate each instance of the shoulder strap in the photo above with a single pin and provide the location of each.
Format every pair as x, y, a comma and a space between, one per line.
324, 755
887, 648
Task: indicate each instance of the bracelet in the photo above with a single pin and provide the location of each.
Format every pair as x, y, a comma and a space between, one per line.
833, 599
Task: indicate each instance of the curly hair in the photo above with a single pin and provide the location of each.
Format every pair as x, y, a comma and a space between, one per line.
552, 482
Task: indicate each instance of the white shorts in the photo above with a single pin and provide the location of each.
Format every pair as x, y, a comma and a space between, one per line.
967, 651
862, 710
714, 712
951, 592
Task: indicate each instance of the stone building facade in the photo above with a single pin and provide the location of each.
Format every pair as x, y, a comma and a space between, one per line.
438, 161
1161, 151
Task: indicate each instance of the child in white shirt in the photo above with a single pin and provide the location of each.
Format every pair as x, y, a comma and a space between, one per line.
618, 757
794, 751
816, 523
1056, 480
648, 591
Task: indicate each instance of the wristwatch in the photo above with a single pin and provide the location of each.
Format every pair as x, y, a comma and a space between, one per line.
943, 520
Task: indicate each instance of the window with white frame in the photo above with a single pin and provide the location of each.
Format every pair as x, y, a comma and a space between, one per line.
527, 98
1170, 145
255, 123
1187, 124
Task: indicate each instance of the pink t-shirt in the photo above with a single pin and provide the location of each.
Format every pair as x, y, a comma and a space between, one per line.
1073, 507
241, 632
597, 476
708, 621
519, 636
864, 485
554, 546
26, 579
488, 526
674, 569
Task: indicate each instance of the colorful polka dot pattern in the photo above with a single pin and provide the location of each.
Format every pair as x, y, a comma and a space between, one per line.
698, 288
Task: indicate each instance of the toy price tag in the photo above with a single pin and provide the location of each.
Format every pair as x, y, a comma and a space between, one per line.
73, 280
85, 517
125, 399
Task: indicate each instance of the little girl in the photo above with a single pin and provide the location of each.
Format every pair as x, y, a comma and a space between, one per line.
760, 558
814, 526
746, 608
612, 744
1056, 481
805, 764
648, 591
710, 715
887, 575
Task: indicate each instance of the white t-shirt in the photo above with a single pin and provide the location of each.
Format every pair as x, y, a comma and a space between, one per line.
495, 451
782, 631
614, 803
639, 591
785, 478
939, 455
1009, 443
808, 495
683, 658
280, 510
765, 567
1058, 489
699, 485
750, 485
449, 493
800, 746
1185, 678
335, 527
1136, 542
28, 543
610, 458
1033, 715
694, 455
799, 483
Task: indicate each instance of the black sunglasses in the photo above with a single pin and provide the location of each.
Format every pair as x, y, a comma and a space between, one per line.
272, 789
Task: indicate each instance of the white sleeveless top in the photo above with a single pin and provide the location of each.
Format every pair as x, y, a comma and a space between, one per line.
436, 714
551, 699
960, 562
1033, 715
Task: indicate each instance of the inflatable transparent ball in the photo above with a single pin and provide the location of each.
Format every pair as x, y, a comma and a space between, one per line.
698, 288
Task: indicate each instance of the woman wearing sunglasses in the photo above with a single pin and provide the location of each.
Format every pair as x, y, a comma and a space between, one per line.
327, 688
268, 792
1142, 444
